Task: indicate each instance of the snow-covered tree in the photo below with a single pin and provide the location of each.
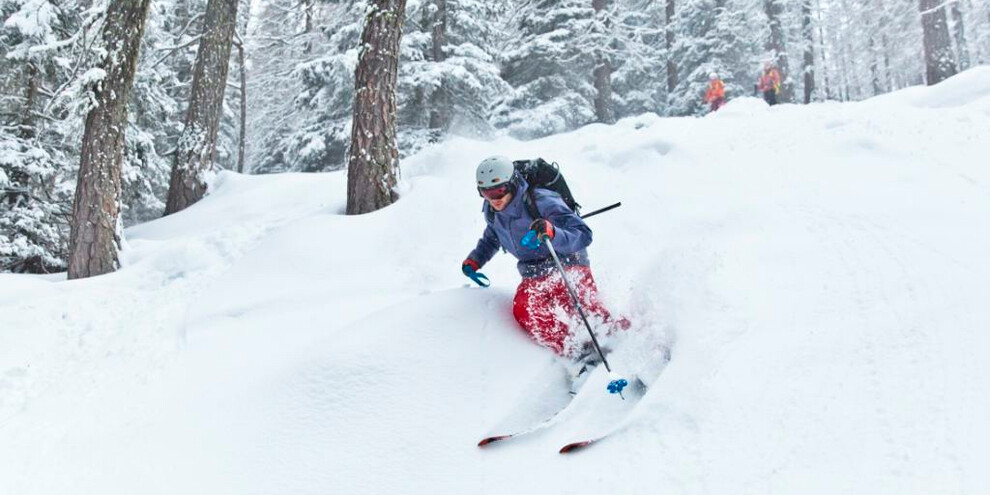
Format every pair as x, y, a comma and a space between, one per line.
448, 76
301, 82
717, 36
39, 51
549, 72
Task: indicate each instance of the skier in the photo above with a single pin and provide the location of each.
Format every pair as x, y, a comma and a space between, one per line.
542, 304
715, 95
769, 83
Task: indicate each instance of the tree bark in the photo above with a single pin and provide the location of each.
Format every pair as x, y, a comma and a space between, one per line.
959, 33
242, 136
602, 73
778, 46
671, 65
821, 47
198, 141
939, 62
439, 103
809, 51
308, 24
373, 157
874, 67
94, 238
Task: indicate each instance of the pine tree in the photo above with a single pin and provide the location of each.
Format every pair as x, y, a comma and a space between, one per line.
95, 233
808, 50
939, 60
777, 46
33, 201
959, 35
549, 71
194, 158
447, 80
638, 58
373, 158
712, 36
301, 84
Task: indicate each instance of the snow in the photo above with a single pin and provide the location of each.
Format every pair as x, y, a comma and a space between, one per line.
820, 272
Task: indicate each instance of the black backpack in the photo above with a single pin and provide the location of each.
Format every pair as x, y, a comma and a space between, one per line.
542, 174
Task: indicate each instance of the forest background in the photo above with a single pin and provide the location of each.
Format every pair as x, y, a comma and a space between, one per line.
469, 68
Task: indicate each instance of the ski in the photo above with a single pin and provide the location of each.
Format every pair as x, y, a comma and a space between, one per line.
617, 417
571, 447
581, 444
552, 397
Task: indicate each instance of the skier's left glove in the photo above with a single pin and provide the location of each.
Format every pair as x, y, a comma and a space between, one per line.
543, 228
470, 268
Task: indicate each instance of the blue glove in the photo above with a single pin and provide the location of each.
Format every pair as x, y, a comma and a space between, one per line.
470, 269
539, 230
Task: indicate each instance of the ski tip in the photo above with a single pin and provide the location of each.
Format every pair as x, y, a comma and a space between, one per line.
571, 447
490, 440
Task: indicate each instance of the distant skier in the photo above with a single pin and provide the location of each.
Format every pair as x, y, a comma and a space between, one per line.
715, 95
770, 83
542, 305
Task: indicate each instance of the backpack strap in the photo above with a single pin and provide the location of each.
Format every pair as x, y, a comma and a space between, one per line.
529, 201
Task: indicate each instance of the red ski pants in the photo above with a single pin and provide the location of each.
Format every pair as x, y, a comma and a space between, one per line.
546, 312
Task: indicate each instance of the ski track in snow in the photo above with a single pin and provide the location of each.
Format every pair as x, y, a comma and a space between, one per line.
819, 271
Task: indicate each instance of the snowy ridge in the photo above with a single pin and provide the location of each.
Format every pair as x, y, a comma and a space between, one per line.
820, 270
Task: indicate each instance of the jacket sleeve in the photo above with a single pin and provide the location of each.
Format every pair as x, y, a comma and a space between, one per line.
487, 247
571, 234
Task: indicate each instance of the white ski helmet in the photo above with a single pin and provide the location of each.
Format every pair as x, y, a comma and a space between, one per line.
493, 171
712, 75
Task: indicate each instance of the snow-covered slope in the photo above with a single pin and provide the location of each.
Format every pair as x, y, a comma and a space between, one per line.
821, 272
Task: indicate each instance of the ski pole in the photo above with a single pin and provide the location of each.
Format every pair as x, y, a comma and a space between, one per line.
601, 210
616, 385
577, 303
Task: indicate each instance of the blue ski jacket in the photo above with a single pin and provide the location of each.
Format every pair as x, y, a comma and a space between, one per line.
507, 228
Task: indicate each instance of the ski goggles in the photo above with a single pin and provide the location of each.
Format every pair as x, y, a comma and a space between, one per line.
495, 193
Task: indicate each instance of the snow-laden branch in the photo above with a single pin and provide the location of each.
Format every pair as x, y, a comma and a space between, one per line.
937, 7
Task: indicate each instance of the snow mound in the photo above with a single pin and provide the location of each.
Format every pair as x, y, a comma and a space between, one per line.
819, 270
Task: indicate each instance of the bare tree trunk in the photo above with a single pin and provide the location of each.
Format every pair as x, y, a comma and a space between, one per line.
959, 33
778, 45
198, 142
308, 24
602, 73
809, 51
874, 67
671, 65
94, 238
373, 158
242, 136
821, 38
939, 62
439, 104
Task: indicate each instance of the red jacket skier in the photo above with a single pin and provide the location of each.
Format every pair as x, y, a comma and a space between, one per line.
542, 304
769, 83
715, 95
